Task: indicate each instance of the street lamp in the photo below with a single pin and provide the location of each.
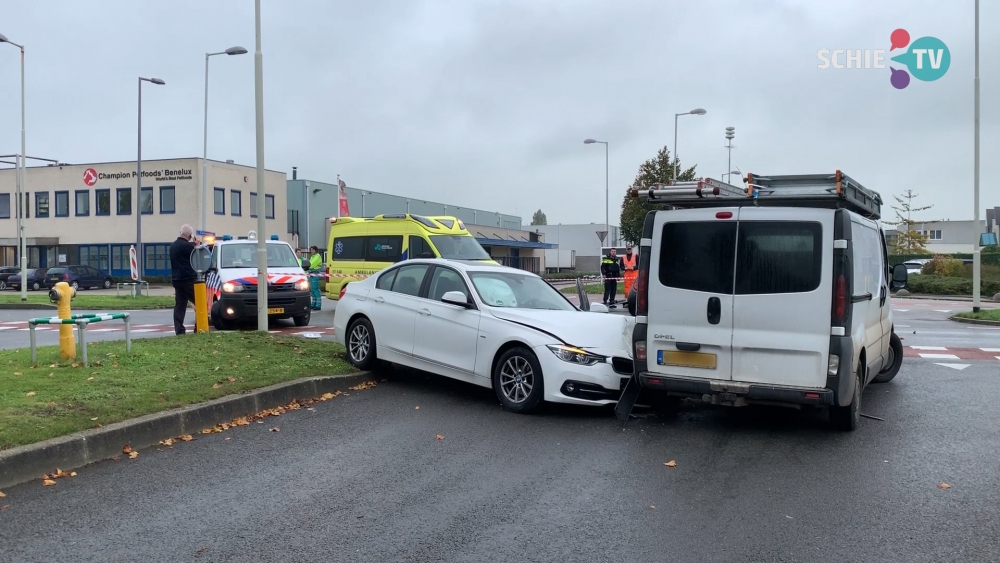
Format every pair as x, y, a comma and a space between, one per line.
139, 256
976, 257
204, 159
607, 214
21, 179
696, 111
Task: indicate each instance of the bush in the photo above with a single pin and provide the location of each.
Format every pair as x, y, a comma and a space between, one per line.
945, 266
943, 285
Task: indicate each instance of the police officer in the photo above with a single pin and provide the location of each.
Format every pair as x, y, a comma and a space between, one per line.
611, 270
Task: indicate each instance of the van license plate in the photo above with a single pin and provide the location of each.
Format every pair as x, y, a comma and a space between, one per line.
276, 311
677, 358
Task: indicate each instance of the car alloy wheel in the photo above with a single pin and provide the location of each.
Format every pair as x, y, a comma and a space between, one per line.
107, 284
75, 286
516, 379
361, 345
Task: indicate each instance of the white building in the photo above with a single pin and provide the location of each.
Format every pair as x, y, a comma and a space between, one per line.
581, 238
949, 237
85, 213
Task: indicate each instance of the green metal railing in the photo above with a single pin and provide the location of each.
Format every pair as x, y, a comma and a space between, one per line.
82, 321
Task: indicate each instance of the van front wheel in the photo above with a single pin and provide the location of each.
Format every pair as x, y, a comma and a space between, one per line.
895, 361
847, 418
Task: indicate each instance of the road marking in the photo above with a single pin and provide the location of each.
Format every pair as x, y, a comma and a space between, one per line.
144, 330
940, 356
900, 310
902, 326
942, 310
959, 367
990, 349
928, 347
103, 329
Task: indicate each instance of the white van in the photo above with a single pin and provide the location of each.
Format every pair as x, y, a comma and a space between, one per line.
774, 294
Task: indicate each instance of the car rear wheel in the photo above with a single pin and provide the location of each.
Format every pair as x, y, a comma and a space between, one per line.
361, 345
847, 418
894, 363
518, 381
107, 284
3, 285
36, 286
75, 286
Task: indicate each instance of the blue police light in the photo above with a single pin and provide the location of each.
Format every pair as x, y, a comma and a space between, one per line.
274, 237
227, 237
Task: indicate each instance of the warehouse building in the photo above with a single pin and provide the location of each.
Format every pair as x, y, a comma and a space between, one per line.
578, 246
85, 213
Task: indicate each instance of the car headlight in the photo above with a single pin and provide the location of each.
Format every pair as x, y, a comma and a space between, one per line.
575, 355
230, 287
302, 285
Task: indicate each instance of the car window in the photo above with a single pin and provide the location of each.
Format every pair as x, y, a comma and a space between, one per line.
409, 279
349, 248
419, 248
385, 280
383, 248
244, 255
459, 247
519, 291
444, 280
698, 256
55, 271
779, 257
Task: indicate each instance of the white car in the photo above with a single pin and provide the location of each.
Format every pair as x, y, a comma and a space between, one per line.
490, 325
914, 267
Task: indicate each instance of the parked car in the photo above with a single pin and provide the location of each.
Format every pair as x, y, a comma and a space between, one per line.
78, 277
489, 325
5, 274
915, 266
35, 281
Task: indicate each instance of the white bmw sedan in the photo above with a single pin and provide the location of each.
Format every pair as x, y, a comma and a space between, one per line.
489, 325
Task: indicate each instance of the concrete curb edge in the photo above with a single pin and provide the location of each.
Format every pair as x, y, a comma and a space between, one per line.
29, 462
974, 321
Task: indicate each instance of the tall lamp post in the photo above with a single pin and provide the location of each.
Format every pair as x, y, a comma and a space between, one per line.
139, 256
730, 133
976, 257
677, 162
204, 159
21, 179
258, 73
607, 207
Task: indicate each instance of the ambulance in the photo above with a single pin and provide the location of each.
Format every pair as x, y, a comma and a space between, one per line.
231, 281
359, 247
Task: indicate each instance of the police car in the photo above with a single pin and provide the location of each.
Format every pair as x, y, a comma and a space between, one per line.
231, 281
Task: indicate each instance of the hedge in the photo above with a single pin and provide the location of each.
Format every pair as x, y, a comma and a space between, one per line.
940, 285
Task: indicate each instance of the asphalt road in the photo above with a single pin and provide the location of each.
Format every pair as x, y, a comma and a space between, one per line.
363, 478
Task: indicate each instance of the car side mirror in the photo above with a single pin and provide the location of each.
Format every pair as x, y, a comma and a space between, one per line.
598, 308
456, 298
899, 276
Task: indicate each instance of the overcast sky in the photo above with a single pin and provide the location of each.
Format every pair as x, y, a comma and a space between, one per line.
485, 104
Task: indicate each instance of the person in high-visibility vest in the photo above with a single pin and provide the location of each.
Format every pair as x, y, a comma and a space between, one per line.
630, 263
315, 268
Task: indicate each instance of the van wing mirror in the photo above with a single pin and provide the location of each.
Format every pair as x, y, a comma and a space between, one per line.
899, 276
456, 298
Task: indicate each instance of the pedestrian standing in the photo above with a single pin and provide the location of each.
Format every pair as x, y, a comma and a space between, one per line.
611, 270
629, 263
315, 269
182, 275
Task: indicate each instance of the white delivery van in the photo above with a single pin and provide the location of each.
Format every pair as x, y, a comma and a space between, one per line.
773, 294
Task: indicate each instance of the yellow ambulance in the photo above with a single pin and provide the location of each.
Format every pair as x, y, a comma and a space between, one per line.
359, 247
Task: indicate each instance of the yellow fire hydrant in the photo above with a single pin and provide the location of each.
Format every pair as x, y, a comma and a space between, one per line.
61, 295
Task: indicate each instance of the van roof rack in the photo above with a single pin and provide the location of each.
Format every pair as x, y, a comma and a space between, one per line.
835, 191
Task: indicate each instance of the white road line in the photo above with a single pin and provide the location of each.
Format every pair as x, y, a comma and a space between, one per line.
959, 367
942, 310
902, 326
940, 357
990, 349
928, 347
103, 329
144, 330
900, 310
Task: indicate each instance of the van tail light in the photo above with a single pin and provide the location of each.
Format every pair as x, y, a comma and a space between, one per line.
640, 350
840, 300
642, 292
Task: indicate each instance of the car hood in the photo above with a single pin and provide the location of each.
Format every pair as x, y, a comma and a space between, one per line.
597, 331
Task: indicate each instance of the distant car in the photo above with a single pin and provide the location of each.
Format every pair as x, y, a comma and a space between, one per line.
5, 274
78, 277
35, 281
915, 266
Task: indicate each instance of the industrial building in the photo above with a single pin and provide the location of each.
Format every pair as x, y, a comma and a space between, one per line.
578, 246
952, 237
84, 213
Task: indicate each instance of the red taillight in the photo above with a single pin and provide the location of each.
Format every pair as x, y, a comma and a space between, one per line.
840, 299
654, 381
343, 290
640, 350
642, 293
66, 277
812, 395
724, 215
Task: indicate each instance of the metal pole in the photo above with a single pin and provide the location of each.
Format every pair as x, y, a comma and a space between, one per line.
261, 194
138, 195
607, 207
729, 163
31, 339
976, 263
676, 162
22, 185
83, 341
204, 157
128, 335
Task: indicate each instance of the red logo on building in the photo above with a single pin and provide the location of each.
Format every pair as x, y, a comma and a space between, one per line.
90, 176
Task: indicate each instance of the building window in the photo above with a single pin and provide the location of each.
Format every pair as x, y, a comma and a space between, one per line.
102, 202
932, 234
220, 201
95, 256
82, 203
269, 206
41, 204
146, 200
168, 201
4, 206
253, 204
124, 201
236, 203
157, 262
62, 204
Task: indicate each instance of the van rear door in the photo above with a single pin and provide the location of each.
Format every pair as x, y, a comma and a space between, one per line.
783, 295
690, 319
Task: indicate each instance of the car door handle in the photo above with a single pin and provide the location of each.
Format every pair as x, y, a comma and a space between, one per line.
424, 312
379, 300
714, 310
881, 297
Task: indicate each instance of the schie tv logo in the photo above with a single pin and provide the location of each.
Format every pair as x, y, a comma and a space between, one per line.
927, 59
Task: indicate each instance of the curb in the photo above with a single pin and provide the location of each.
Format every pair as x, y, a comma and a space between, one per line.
945, 298
974, 321
29, 462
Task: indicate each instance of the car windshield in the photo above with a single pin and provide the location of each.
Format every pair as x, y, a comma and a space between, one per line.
244, 255
57, 271
518, 291
459, 247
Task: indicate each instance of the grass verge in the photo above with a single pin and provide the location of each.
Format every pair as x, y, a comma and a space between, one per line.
58, 397
99, 302
591, 289
982, 315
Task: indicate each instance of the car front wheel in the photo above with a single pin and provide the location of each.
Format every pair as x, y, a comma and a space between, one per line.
518, 382
302, 320
361, 345
36, 286
107, 284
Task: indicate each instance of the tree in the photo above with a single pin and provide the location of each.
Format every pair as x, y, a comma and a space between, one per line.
656, 170
908, 240
539, 218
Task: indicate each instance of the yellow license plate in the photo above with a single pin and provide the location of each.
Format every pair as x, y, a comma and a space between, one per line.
686, 359
276, 311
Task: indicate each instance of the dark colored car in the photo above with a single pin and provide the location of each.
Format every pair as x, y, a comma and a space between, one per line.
78, 277
35, 281
5, 274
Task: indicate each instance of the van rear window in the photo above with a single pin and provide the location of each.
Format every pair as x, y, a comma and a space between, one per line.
778, 257
698, 256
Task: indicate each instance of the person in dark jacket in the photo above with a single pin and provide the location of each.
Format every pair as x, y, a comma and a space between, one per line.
611, 270
182, 275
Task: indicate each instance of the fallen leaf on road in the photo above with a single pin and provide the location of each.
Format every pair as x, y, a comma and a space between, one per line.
328, 396
206, 431
31, 393
439, 437
4, 507
168, 442
416, 408
275, 429
311, 409
944, 486
671, 463
363, 386
133, 455
652, 507
186, 438
127, 449
228, 439
2, 495
48, 482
